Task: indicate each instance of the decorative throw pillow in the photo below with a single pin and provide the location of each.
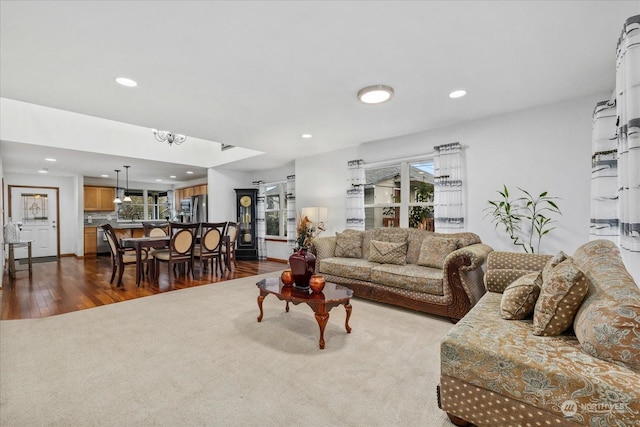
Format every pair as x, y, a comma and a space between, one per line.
519, 298
388, 252
349, 245
434, 250
555, 260
559, 300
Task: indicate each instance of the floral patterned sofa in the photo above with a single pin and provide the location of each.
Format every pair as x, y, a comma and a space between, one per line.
417, 269
497, 372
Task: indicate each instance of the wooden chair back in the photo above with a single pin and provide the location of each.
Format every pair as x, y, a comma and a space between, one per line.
153, 229
183, 237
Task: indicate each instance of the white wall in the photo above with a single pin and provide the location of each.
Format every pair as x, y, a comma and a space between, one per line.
36, 124
222, 197
541, 149
4, 220
71, 235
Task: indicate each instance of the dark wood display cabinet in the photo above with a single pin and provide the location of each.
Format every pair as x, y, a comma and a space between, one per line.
246, 208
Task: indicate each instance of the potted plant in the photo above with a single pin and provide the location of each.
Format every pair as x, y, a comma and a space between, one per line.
525, 219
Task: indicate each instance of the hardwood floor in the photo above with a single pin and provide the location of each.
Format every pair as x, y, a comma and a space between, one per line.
72, 284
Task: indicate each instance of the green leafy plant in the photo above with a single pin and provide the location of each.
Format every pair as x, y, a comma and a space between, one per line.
525, 219
417, 214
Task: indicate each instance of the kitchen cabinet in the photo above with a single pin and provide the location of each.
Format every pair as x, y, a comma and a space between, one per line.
187, 192
90, 240
99, 198
202, 189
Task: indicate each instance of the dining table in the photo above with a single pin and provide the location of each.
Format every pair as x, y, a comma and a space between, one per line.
140, 243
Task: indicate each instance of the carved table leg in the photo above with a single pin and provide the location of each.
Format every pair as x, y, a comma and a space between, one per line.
260, 299
347, 308
322, 319
287, 307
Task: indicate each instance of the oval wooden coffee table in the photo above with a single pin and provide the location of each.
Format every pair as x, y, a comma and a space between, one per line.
321, 303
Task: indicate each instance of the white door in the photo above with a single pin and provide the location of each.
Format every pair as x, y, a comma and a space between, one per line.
36, 210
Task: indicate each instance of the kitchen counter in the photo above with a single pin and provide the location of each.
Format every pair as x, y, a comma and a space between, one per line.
120, 224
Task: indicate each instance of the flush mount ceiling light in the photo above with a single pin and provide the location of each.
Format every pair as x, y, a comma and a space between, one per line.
375, 94
170, 137
123, 81
50, 159
306, 135
458, 93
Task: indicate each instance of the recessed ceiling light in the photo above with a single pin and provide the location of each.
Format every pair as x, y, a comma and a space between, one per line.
306, 135
375, 94
189, 173
458, 93
158, 180
104, 175
50, 159
43, 171
126, 82
172, 176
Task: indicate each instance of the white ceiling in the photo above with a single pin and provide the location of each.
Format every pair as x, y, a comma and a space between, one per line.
259, 74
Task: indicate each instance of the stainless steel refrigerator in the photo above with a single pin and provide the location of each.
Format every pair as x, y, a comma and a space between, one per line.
199, 209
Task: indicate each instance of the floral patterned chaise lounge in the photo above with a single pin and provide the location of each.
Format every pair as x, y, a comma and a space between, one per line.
575, 360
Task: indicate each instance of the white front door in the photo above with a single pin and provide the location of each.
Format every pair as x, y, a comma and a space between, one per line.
36, 210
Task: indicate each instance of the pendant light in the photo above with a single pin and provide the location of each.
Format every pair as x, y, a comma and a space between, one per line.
127, 198
117, 199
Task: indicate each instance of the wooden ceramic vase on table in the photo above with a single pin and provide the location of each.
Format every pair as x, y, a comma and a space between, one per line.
303, 264
287, 278
316, 283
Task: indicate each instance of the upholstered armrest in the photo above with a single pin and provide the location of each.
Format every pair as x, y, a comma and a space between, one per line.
505, 267
473, 256
463, 274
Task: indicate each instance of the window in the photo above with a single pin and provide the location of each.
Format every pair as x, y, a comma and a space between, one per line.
158, 205
35, 208
145, 205
399, 195
275, 210
133, 210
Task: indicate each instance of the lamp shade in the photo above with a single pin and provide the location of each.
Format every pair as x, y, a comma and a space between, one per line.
315, 214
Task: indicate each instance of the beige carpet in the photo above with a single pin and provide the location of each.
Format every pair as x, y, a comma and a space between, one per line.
199, 357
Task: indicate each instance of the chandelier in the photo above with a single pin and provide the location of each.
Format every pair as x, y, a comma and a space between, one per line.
170, 137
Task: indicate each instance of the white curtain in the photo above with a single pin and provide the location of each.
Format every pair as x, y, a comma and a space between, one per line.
291, 211
355, 194
604, 173
628, 112
261, 225
448, 189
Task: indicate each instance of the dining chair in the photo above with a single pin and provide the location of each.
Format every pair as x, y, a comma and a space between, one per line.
180, 251
120, 257
229, 250
209, 246
154, 229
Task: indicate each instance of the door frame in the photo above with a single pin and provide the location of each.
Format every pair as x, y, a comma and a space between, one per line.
57, 190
